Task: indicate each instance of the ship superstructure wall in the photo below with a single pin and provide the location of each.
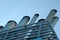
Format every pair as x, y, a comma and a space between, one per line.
42, 30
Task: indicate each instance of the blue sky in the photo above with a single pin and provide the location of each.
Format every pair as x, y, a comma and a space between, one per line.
16, 9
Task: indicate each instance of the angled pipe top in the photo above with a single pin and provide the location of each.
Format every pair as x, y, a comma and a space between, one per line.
1, 27
34, 18
51, 15
10, 24
54, 21
41, 20
23, 21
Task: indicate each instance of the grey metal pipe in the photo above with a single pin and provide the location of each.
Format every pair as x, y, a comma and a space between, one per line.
51, 15
1, 27
34, 18
10, 24
41, 20
24, 21
54, 21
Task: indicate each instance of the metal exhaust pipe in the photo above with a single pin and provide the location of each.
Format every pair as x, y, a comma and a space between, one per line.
1, 27
24, 21
34, 18
10, 24
51, 15
41, 20
54, 21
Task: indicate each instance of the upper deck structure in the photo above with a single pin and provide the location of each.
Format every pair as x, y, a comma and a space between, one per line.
43, 29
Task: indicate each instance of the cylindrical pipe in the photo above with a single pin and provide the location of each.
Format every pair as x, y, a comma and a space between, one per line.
51, 15
1, 27
54, 21
41, 20
34, 18
24, 21
10, 24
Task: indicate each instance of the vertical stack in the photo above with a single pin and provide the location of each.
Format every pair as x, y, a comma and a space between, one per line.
47, 32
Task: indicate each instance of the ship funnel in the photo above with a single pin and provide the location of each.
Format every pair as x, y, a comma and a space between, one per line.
51, 15
54, 21
34, 18
11, 24
24, 21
